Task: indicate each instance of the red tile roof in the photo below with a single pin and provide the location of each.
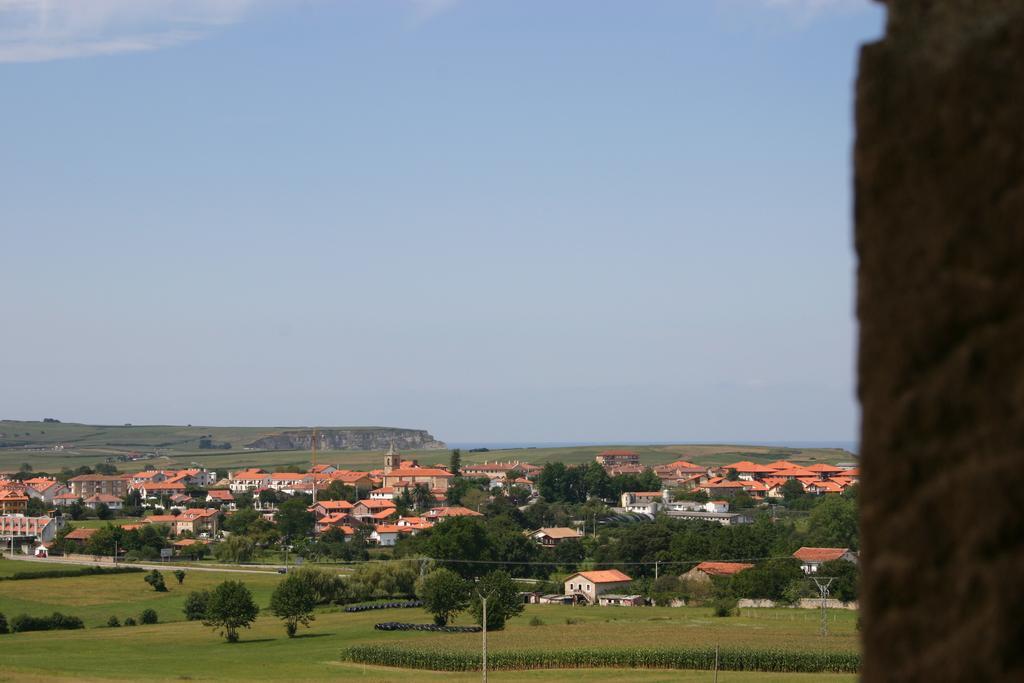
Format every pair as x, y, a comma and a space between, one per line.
820, 554
722, 568
603, 576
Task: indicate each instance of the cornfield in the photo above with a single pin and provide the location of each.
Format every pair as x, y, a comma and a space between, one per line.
631, 658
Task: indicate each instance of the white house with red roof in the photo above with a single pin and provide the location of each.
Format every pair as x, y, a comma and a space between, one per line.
587, 586
811, 559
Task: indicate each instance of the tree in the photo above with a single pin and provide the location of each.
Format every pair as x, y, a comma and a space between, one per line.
113, 622
3, 624
269, 497
293, 519
792, 490
77, 510
236, 549
503, 601
179, 574
731, 474
444, 594
148, 616
103, 511
569, 553
195, 605
455, 463
156, 580
230, 608
293, 603
845, 587
421, 497
833, 523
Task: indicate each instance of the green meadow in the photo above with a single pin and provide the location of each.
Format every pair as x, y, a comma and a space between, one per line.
175, 649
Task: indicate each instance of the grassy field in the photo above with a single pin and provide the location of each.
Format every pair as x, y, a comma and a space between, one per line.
188, 649
178, 446
96, 598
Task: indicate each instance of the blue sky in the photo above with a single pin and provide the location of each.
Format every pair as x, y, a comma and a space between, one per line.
501, 221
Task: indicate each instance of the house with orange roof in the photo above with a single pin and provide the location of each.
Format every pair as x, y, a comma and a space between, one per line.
97, 499
440, 513
549, 537
157, 489
194, 520
617, 457
336, 520
811, 559
354, 478
44, 488
587, 586
13, 502
416, 523
705, 571
248, 480
747, 470
322, 508
388, 534
88, 484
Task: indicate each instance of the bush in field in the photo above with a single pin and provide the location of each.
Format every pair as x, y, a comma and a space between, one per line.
113, 622
129, 621
156, 580
148, 616
3, 624
724, 606
195, 605
230, 608
293, 603
179, 574
444, 594
503, 601
324, 586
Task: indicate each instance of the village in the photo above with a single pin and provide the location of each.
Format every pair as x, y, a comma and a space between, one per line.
198, 510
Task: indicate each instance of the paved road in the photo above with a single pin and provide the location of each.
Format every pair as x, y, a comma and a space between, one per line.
140, 565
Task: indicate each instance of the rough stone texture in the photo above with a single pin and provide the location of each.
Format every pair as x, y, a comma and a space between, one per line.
362, 439
939, 211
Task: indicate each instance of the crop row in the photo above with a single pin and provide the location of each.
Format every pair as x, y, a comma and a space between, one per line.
634, 658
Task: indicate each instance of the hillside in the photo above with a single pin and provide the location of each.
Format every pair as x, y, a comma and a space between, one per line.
48, 446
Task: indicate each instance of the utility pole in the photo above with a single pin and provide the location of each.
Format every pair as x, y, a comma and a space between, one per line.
483, 600
823, 582
656, 563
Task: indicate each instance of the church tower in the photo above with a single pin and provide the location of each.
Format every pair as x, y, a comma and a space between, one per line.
392, 460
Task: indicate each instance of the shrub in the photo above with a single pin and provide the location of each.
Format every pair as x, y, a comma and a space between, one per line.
179, 574
129, 621
3, 624
778, 661
195, 605
156, 580
536, 621
570, 621
113, 622
724, 607
148, 616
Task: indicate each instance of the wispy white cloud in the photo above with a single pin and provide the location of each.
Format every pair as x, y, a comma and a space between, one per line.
805, 10
42, 30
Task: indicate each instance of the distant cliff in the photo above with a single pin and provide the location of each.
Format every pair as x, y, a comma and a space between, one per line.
362, 439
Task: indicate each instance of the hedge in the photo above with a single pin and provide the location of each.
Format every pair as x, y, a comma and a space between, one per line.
780, 661
55, 621
363, 607
70, 573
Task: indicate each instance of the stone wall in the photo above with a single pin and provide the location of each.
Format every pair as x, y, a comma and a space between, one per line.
939, 209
